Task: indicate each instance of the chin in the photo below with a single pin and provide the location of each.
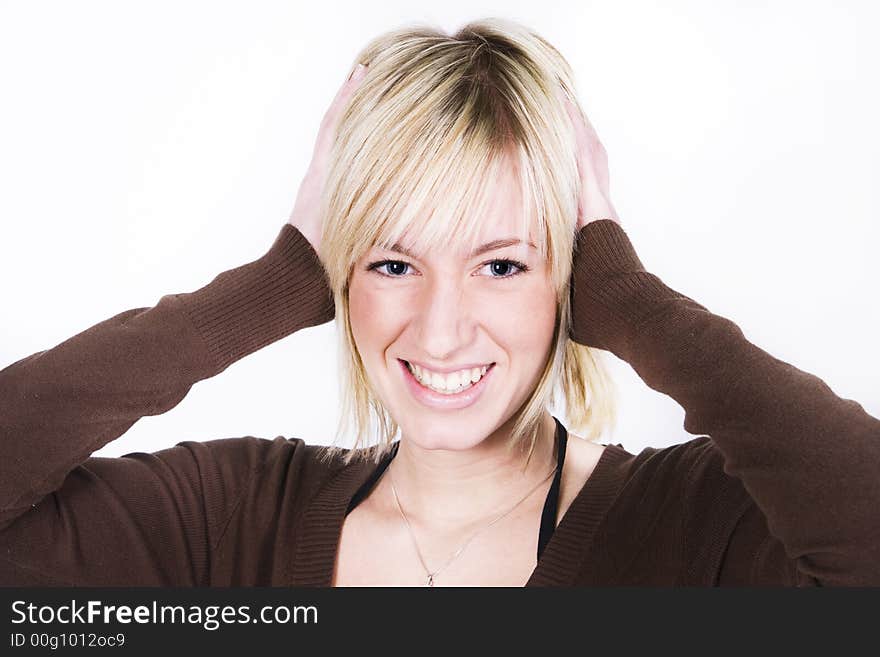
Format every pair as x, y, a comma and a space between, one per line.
430, 431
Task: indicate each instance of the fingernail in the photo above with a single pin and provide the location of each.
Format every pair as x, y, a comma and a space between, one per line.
358, 72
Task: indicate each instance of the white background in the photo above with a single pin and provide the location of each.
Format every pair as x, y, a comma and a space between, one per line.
147, 146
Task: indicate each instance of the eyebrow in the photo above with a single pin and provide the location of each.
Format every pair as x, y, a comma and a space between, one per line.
480, 250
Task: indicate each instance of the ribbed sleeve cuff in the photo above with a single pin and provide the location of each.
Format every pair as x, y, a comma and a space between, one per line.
249, 307
611, 293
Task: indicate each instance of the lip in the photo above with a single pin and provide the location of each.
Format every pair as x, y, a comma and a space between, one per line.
435, 400
450, 370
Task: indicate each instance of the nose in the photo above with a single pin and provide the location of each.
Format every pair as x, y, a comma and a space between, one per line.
444, 320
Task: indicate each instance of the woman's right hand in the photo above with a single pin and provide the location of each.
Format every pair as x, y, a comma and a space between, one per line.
305, 216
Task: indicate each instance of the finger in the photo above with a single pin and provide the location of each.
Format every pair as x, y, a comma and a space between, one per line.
589, 134
358, 72
575, 118
581, 144
329, 123
348, 87
345, 91
588, 144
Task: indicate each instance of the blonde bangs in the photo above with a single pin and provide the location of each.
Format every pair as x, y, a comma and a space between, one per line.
424, 185
438, 214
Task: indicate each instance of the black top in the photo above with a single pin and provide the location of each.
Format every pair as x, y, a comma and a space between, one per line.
551, 504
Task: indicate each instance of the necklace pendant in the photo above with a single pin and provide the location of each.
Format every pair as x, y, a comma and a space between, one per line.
430, 580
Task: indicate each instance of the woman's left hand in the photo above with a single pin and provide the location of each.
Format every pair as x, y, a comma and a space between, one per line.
594, 201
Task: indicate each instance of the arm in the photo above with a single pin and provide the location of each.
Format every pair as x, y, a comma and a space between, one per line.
91, 519
809, 459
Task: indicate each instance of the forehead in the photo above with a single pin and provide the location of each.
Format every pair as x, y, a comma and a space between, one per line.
505, 215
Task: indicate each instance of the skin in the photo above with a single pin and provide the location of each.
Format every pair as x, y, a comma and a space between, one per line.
450, 309
452, 472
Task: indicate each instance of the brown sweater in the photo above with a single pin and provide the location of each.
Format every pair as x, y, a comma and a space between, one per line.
783, 488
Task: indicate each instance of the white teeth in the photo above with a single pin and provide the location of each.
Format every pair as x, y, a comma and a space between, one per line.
449, 383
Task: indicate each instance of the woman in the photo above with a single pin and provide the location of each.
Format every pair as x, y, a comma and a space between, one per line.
456, 220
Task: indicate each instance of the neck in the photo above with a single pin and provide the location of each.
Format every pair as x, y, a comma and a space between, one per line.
446, 489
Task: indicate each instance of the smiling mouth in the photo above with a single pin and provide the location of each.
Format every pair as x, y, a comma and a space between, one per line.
446, 384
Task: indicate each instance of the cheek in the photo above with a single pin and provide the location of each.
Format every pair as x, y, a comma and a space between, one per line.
373, 318
524, 322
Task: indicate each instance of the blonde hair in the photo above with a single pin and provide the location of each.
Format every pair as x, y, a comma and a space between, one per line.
433, 120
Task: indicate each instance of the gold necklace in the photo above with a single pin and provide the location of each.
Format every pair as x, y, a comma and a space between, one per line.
428, 572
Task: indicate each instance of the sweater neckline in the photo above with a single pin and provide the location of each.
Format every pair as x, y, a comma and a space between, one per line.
314, 558
551, 501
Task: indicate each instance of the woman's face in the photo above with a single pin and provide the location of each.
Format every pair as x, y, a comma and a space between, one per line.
449, 311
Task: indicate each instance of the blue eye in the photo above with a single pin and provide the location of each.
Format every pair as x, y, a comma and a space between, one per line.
506, 266
396, 265
397, 268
